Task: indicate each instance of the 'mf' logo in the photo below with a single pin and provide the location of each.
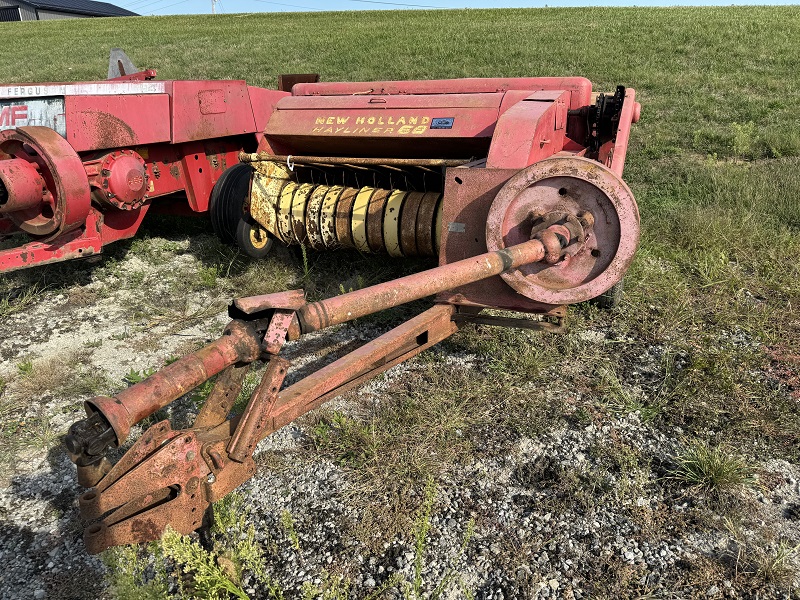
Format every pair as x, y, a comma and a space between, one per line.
13, 116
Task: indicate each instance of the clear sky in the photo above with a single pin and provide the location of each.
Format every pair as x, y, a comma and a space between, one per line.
171, 7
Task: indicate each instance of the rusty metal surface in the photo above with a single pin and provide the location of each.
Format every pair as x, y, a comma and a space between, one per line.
346, 307
631, 112
255, 417
580, 88
571, 185
71, 245
557, 325
329, 217
344, 215
529, 131
393, 347
67, 196
408, 223
290, 299
468, 196
375, 212
170, 477
426, 224
238, 344
350, 160
21, 186
278, 331
265, 193
223, 395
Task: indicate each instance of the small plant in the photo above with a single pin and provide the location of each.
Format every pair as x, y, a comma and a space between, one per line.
306, 267
416, 590
133, 376
208, 276
128, 574
774, 566
25, 368
744, 138
712, 469
621, 401
206, 578
10, 305
351, 441
421, 530
288, 524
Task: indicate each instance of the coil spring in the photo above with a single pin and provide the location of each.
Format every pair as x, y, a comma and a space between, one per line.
324, 217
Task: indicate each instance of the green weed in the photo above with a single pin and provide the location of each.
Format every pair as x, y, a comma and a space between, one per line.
712, 469
14, 303
288, 525
135, 376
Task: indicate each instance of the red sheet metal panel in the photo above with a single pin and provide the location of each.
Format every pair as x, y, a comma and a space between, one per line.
454, 124
210, 109
580, 88
529, 131
263, 103
98, 122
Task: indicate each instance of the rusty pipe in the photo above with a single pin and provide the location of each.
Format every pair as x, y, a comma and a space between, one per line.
246, 157
340, 309
238, 344
21, 185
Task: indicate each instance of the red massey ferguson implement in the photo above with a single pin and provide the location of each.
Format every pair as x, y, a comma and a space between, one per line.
515, 184
82, 163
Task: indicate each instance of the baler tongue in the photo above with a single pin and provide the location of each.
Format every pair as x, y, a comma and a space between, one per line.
515, 184
171, 477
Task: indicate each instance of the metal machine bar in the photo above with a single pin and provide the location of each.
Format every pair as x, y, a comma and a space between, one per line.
382, 353
222, 397
256, 415
353, 305
347, 160
239, 344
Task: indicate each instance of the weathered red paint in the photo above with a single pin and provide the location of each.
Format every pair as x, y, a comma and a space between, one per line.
239, 344
359, 303
533, 215
186, 132
22, 185
107, 122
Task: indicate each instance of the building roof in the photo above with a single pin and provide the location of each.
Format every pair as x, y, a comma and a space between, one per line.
82, 7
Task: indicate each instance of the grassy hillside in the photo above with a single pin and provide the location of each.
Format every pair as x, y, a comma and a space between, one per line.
705, 350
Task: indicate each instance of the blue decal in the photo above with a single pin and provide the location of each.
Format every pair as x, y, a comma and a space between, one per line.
443, 123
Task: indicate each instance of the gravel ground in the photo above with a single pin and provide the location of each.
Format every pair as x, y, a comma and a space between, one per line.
545, 517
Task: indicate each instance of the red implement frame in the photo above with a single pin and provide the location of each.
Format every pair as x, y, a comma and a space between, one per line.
185, 133
172, 477
540, 220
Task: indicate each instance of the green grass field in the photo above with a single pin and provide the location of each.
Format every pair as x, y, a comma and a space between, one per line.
714, 164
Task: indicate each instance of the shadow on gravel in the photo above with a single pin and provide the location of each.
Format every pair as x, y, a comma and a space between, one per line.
45, 557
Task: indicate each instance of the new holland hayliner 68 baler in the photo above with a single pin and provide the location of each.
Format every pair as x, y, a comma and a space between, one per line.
515, 184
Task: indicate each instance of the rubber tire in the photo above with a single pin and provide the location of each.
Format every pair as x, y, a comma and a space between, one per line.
244, 241
612, 297
227, 199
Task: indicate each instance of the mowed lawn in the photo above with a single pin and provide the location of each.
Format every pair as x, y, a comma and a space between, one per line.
714, 164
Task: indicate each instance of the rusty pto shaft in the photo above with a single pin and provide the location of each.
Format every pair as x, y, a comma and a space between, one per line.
239, 344
360, 303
